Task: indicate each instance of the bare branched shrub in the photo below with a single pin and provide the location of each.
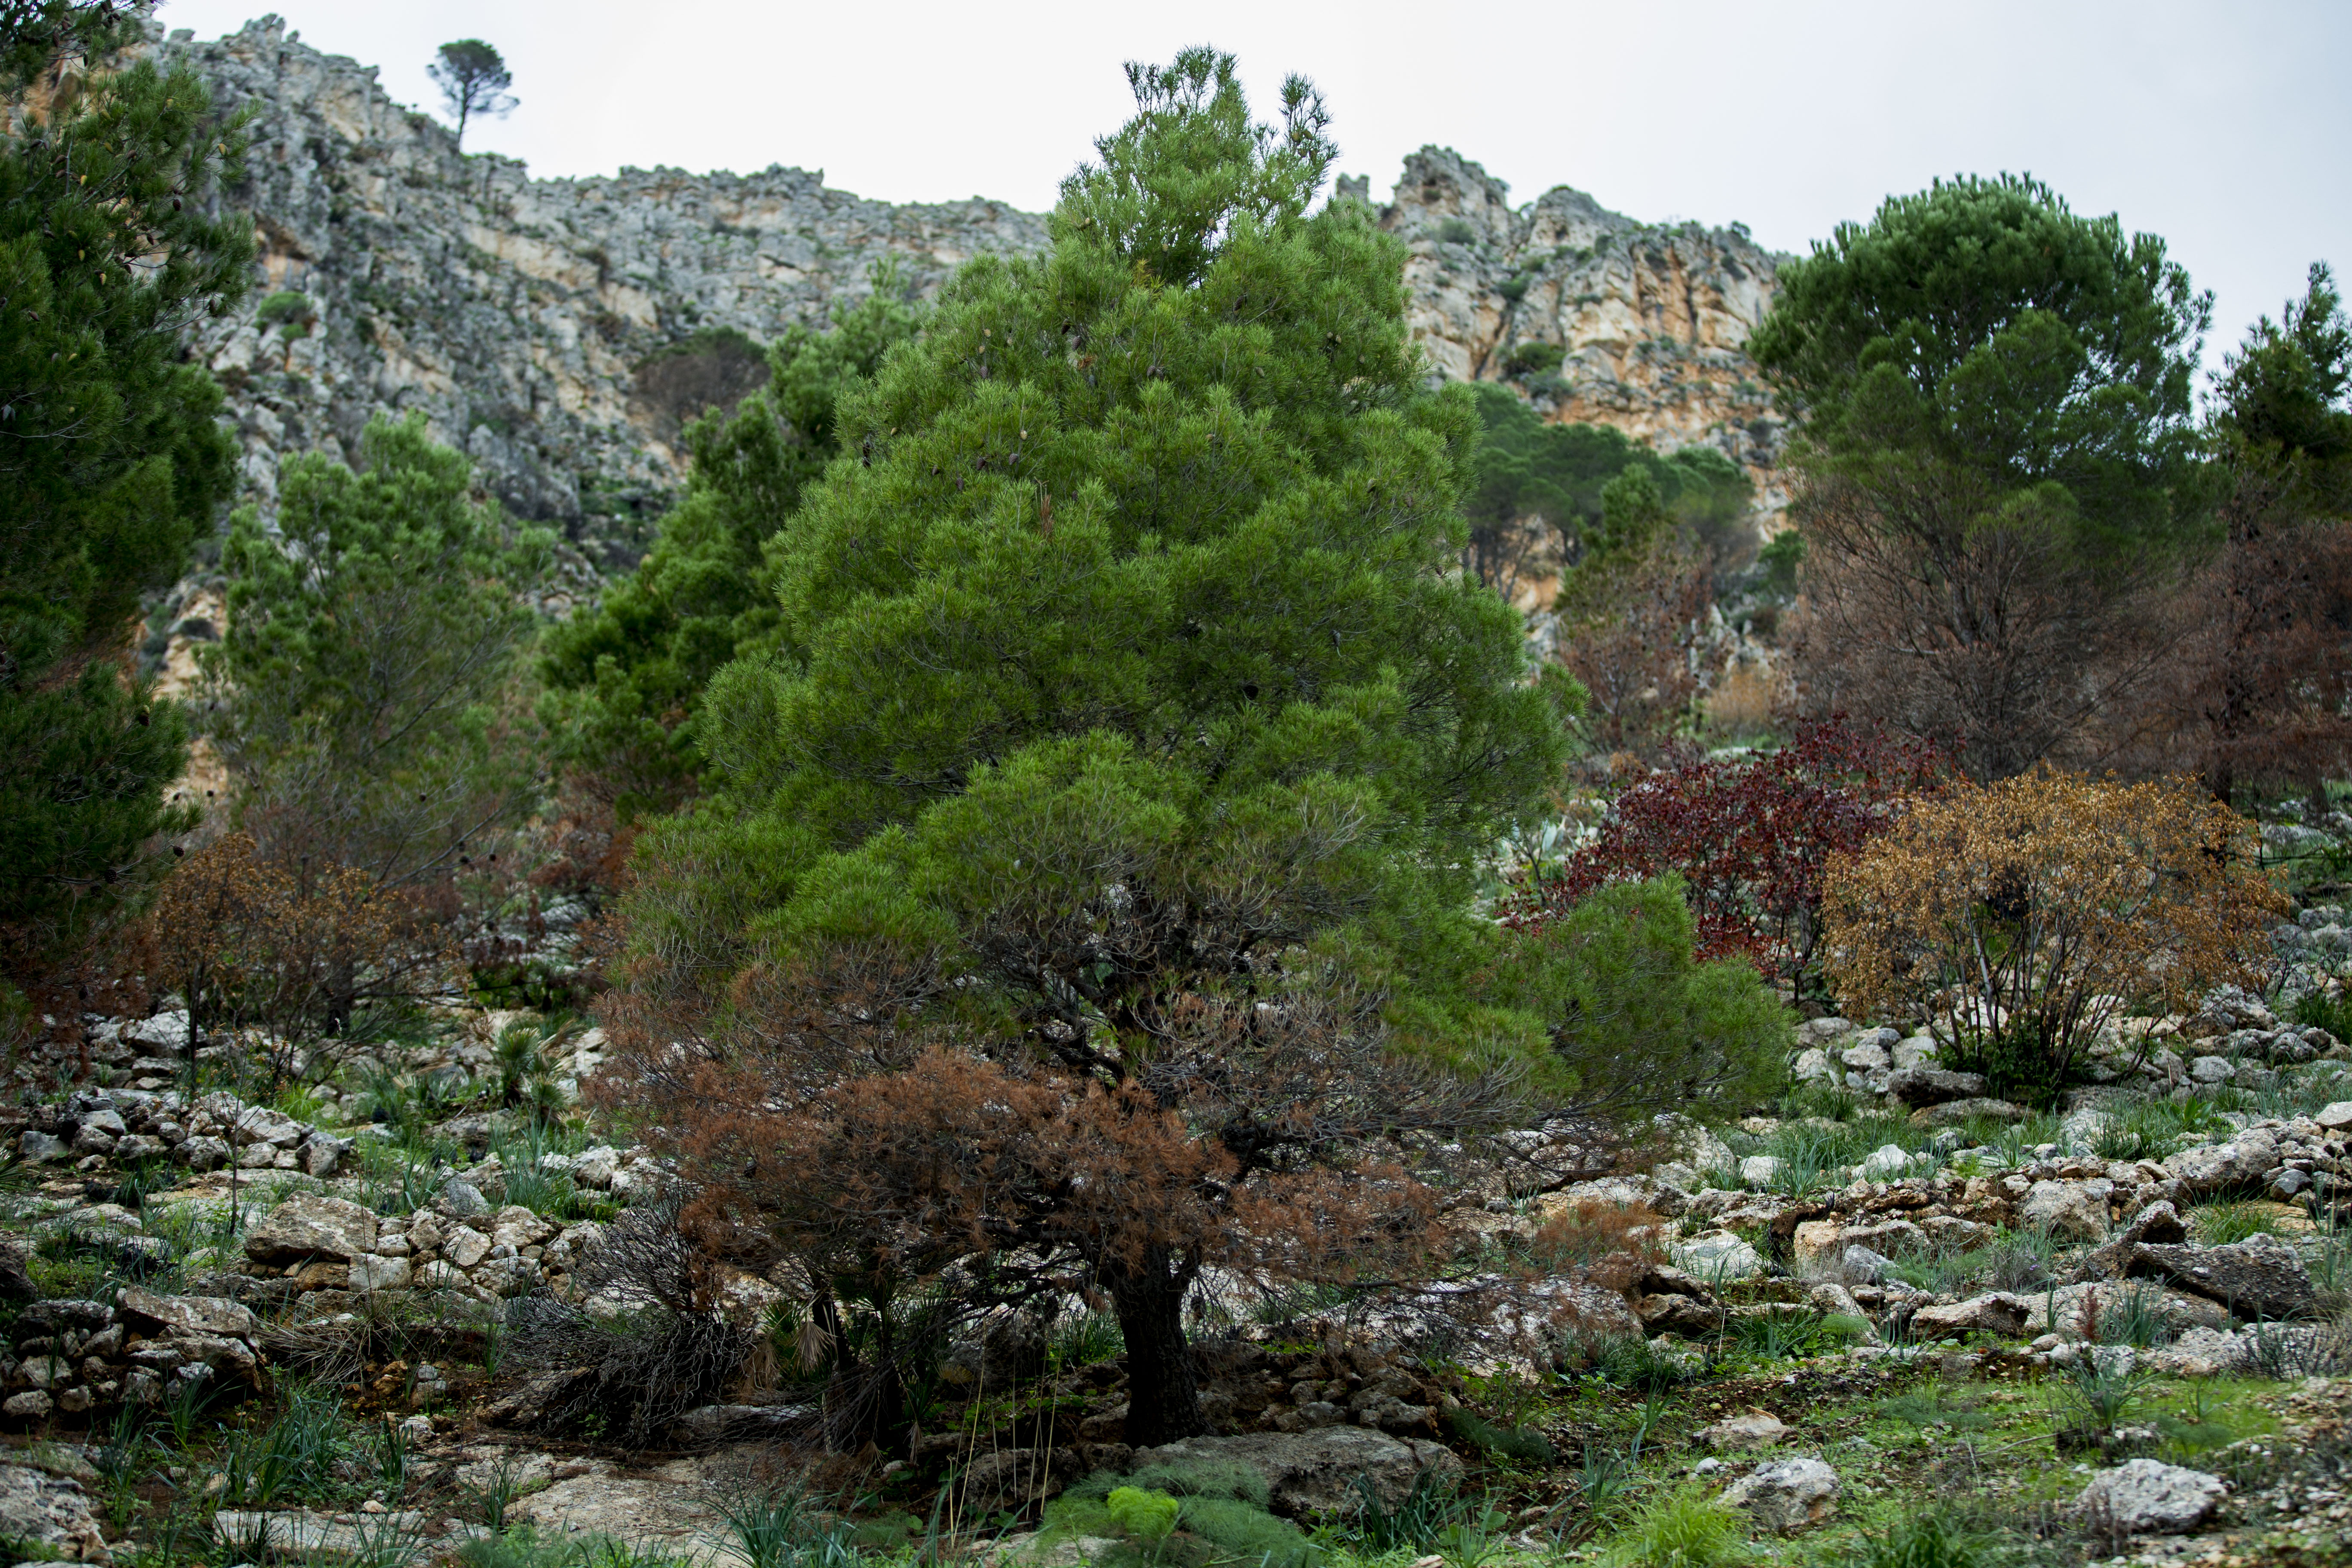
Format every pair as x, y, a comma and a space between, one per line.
2020, 917
644, 1342
1631, 642
286, 948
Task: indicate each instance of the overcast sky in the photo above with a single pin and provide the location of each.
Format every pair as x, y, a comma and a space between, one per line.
2225, 127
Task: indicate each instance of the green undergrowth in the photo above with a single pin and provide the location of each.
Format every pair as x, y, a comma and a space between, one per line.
1189, 1515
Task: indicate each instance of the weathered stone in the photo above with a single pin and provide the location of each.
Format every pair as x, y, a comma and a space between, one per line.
2261, 1277
207, 1315
1316, 1471
321, 1154
50, 1514
1992, 1313
1716, 1256
1958, 1112
2144, 1497
1885, 1163
35, 1148
465, 1247
1757, 1430
1929, 1085
1761, 1170
310, 1226
303, 1533
373, 1271
1787, 1495
2075, 1210
461, 1200
2335, 1116
204, 1153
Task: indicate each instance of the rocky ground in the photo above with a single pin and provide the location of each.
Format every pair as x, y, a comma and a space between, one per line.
296, 1326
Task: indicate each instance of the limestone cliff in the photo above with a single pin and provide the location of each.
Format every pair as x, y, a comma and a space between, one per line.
523, 317
1650, 321
557, 330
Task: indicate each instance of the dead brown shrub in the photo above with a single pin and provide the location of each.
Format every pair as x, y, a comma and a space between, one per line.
2020, 918
1580, 1236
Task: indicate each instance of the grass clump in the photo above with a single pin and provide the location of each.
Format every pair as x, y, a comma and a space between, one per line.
1927, 1540
1685, 1527
2218, 1225
1508, 1442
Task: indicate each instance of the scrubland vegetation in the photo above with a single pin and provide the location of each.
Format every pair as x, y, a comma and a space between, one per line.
1055, 978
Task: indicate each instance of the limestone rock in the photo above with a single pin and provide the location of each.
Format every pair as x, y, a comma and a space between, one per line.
50, 1513
2145, 1497
310, 1226
2261, 1277
1787, 1495
1957, 1112
1315, 1471
1757, 1430
209, 1315
2075, 1210
1926, 1085
1994, 1312
1716, 1256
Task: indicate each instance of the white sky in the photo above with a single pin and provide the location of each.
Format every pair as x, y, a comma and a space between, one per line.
2226, 126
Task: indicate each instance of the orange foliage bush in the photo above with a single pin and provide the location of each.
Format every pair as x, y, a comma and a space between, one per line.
2020, 918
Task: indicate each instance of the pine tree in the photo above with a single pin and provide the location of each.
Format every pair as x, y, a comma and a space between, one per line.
473, 78
625, 679
1998, 463
366, 692
1129, 724
110, 459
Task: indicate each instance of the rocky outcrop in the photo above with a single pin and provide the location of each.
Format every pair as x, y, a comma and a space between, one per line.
1650, 321
533, 322
559, 330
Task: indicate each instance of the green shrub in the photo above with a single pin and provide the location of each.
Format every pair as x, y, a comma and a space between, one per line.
2218, 1225
1686, 1528
1212, 1512
1533, 359
1455, 231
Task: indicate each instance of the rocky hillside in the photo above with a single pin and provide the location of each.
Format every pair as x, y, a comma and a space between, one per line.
559, 330
1596, 317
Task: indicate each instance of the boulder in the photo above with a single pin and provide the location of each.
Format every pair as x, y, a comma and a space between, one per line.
465, 1247
48, 1515
717, 1424
206, 1153
2075, 1210
1955, 1112
1885, 1163
2261, 1277
1787, 1495
2217, 1167
2202, 1352
321, 1154
1717, 1257
1315, 1471
1757, 1430
1926, 1085
1995, 1312
1819, 1245
460, 1199
35, 1148
1760, 1170
371, 1271
309, 1225
2145, 1497
2337, 1116
213, 1316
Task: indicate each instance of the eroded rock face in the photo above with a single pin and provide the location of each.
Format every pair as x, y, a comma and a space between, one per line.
519, 315
48, 1512
1651, 321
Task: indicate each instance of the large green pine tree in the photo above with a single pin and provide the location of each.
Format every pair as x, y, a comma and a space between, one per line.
112, 461
625, 679
1123, 659
367, 690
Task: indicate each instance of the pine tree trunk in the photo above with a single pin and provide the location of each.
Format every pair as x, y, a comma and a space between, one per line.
1163, 1399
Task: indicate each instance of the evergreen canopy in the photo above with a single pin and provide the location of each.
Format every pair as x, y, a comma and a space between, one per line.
626, 679
111, 457
1121, 648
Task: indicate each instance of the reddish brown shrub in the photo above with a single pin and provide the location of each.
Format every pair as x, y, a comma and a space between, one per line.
1750, 837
